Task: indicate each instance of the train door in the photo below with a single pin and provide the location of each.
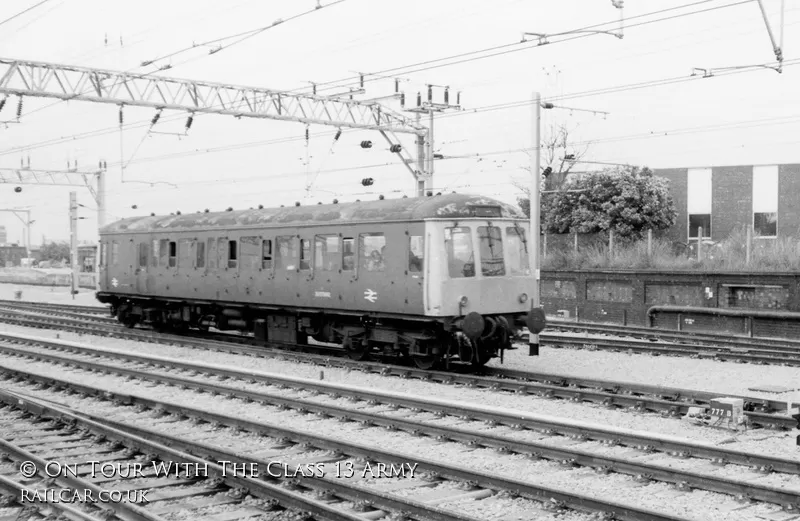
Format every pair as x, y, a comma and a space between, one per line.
327, 288
413, 259
372, 291
287, 268
142, 258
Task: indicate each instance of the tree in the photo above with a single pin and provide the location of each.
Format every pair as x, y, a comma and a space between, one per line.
627, 200
55, 251
558, 157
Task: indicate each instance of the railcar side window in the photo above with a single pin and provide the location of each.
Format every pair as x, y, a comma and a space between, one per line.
163, 252
143, 254
185, 253
460, 256
348, 254
114, 252
305, 254
517, 251
266, 254
250, 253
491, 248
416, 255
201, 254
373, 248
286, 253
326, 252
232, 257
173, 254
212, 254
154, 254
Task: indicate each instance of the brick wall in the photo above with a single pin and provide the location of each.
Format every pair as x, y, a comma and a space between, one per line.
731, 199
789, 200
678, 189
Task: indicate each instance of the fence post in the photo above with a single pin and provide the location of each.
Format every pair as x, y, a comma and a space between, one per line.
650, 243
700, 243
610, 241
748, 243
544, 244
575, 242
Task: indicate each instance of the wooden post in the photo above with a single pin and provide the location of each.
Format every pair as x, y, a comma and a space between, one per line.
749, 244
576, 242
544, 245
700, 243
610, 241
650, 243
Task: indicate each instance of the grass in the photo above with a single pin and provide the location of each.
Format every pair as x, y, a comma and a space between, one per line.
780, 254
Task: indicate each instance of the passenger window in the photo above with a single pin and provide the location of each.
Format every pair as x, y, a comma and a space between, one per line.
286, 253
305, 254
173, 254
212, 254
250, 253
460, 257
143, 254
154, 254
491, 248
373, 248
348, 254
416, 255
201, 254
232, 257
517, 251
266, 254
326, 252
184, 253
163, 252
114, 252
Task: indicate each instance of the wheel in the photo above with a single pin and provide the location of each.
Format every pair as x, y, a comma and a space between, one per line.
426, 361
355, 350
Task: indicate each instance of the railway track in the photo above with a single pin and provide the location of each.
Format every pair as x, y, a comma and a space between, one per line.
673, 401
439, 483
548, 444
113, 473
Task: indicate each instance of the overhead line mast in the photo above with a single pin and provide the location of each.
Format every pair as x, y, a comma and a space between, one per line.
66, 82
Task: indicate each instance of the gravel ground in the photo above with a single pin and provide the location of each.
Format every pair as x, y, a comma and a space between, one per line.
781, 444
658, 496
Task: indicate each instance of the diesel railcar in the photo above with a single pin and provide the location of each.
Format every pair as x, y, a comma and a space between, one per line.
436, 279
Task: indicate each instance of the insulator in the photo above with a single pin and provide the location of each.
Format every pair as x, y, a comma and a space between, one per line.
306, 133
121, 118
19, 107
402, 99
430, 93
366, 144
547, 171
447, 95
361, 80
338, 135
189, 121
3, 103
367, 181
314, 89
396, 85
419, 99
105, 165
458, 98
155, 119
395, 148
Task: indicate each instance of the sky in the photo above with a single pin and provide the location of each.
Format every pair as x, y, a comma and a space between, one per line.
629, 100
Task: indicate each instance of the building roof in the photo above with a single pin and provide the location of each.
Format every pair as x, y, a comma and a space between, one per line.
447, 206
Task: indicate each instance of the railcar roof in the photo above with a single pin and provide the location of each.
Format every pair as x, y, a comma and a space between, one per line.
406, 209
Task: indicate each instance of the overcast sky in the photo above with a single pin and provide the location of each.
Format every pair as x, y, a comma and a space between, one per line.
750, 116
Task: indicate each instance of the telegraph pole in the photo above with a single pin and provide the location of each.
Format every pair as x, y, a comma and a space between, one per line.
73, 241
